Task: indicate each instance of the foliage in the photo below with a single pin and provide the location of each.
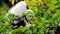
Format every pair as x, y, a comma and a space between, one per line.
13, 1
46, 19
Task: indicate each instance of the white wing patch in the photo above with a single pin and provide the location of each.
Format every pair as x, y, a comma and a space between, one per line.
19, 8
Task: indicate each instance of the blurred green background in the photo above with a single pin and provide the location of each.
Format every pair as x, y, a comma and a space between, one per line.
46, 19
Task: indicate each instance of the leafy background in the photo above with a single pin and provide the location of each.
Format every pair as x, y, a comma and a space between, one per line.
46, 19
